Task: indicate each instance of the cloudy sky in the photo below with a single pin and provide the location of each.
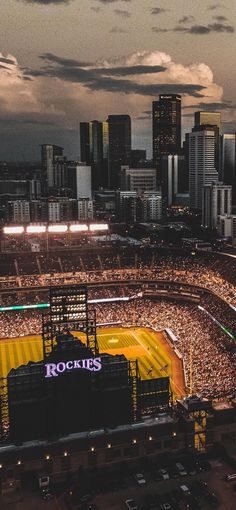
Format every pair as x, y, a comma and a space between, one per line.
66, 61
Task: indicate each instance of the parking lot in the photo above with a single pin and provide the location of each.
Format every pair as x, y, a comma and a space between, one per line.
204, 488
158, 487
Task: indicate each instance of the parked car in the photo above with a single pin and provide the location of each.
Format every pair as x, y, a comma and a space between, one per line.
131, 504
140, 479
164, 474
180, 468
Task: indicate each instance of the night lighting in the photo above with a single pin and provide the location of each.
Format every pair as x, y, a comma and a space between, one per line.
13, 230
78, 228
57, 228
36, 229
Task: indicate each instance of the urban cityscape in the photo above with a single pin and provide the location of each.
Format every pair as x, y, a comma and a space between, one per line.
117, 255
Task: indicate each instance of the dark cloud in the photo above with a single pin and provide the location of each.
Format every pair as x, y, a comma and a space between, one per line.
130, 70
112, 1
4, 60
223, 105
105, 79
122, 13
158, 10
213, 7
220, 18
50, 57
213, 27
186, 19
45, 2
204, 29
158, 30
118, 30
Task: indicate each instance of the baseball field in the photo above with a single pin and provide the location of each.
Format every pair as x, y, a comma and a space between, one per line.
156, 357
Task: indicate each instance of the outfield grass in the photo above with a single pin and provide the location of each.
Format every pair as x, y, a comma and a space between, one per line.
144, 344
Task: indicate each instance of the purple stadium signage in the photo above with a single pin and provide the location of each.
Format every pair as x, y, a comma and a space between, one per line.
55, 369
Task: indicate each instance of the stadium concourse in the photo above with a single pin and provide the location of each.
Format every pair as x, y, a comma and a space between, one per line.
207, 346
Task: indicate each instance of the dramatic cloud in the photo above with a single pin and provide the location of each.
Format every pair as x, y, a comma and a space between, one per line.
122, 13
86, 90
46, 2
186, 19
158, 10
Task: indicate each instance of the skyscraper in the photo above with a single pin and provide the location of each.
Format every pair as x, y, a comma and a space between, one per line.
85, 152
228, 162
119, 147
216, 201
94, 150
203, 118
173, 178
202, 169
54, 167
166, 119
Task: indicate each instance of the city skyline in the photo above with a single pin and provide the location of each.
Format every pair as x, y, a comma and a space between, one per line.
63, 62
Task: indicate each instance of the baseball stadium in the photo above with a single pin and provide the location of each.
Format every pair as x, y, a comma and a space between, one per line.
160, 323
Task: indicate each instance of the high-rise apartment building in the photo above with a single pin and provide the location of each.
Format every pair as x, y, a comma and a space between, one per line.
119, 152
18, 211
216, 201
79, 180
150, 207
138, 179
166, 122
228, 163
126, 206
202, 169
85, 209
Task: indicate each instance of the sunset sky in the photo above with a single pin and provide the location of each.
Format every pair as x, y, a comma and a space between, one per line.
66, 61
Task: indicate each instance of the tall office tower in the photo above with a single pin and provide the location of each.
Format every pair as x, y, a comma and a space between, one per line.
173, 178
85, 149
202, 169
228, 163
79, 180
94, 150
166, 125
203, 118
54, 167
216, 201
119, 147
138, 179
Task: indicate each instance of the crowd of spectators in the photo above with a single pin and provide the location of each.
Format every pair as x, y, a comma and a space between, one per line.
204, 272
200, 341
